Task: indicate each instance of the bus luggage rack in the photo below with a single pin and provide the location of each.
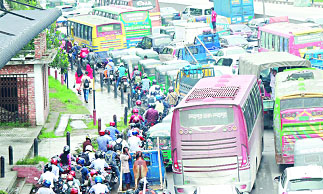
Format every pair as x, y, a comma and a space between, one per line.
221, 92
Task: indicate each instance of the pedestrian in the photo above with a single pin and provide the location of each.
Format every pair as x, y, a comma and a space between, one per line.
272, 82
213, 18
78, 79
125, 157
68, 46
90, 70
86, 82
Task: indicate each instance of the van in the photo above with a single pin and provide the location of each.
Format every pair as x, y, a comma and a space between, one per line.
194, 12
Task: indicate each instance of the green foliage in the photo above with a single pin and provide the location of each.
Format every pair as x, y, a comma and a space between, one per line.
16, 6
32, 161
13, 124
90, 125
68, 127
50, 134
3, 192
72, 104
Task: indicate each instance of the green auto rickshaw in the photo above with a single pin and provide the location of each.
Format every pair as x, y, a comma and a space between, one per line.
171, 79
163, 69
161, 130
116, 55
149, 53
148, 66
130, 61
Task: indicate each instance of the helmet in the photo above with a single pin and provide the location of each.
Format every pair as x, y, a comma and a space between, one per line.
83, 46
47, 183
141, 184
137, 73
74, 191
157, 87
135, 110
171, 89
112, 124
109, 147
101, 132
91, 50
98, 154
81, 161
88, 137
69, 177
135, 68
145, 75
66, 149
154, 82
48, 167
158, 97
54, 161
110, 59
135, 133
75, 43
138, 102
89, 148
72, 173
120, 135
136, 129
98, 179
93, 172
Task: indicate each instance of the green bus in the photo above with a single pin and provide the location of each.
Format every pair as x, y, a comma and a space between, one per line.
298, 110
136, 21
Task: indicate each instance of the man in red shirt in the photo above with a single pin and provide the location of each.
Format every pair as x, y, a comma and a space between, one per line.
213, 17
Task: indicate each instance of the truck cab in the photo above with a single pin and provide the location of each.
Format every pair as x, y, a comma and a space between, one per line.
211, 41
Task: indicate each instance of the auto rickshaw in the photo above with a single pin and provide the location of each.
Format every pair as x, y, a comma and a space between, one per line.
148, 66
130, 61
116, 55
161, 130
259, 64
149, 53
163, 69
170, 79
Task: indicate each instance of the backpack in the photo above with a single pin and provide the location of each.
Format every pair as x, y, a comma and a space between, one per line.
86, 83
78, 173
86, 158
118, 146
109, 158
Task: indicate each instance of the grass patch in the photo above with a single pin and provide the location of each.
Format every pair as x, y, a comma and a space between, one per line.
64, 100
68, 127
13, 124
50, 134
318, 1
90, 125
32, 161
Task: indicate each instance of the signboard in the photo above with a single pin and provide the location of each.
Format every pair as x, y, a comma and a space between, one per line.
144, 3
134, 16
317, 37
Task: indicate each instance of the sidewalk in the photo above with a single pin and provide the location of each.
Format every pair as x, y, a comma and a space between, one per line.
21, 145
106, 104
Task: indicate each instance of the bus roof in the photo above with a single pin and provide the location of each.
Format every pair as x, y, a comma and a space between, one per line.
223, 90
311, 85
118, 9
253, 64
286, 29
92, 20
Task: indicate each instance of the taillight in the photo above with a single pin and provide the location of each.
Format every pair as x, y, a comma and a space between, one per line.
244, 153
176, 167
243, 186
180, 190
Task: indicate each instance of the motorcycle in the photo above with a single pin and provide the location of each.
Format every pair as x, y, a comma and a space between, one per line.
111, 177
124, 83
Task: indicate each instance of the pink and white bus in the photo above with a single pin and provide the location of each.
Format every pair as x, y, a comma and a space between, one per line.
288, 37
217, 134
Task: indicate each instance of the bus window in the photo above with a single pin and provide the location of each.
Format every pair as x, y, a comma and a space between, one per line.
78, 28
90, 33
86, 35
281, 44
82, 31
286, 44
276, 43
263, 38
270, 41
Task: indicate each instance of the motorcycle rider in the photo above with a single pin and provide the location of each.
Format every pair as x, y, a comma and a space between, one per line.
45, 189
145, 85
110, 158
55, 167
82, 170
120, 143
152, 89
134, 142
151, 115
102, 140
113, 130
92, 57
48, 175
108, 68
141, 186
139, 107
73, 173
88, 155
122, 73
136, 117
75, 51
70, 184
172, 97
83, 54
159, 104
87, 141
134, 72
99, 188
66, 158
99, 163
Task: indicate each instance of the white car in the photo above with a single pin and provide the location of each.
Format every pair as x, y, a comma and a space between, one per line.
301, 180
225, 189
233, 53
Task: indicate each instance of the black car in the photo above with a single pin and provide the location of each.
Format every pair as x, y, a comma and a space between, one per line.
156, 42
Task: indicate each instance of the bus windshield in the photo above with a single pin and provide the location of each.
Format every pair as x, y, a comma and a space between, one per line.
298, 103
134, 16
308, 38
305, 184
206, 117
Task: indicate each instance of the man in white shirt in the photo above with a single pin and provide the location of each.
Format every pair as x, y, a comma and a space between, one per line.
272, 82
134, 142
48, 175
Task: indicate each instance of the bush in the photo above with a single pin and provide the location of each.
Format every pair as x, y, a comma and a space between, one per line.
32, 161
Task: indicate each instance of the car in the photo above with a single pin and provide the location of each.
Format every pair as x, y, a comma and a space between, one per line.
168, 14
240, 29
236, 40
255, 23
156, 42
301, 179
197, 12
233, 53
